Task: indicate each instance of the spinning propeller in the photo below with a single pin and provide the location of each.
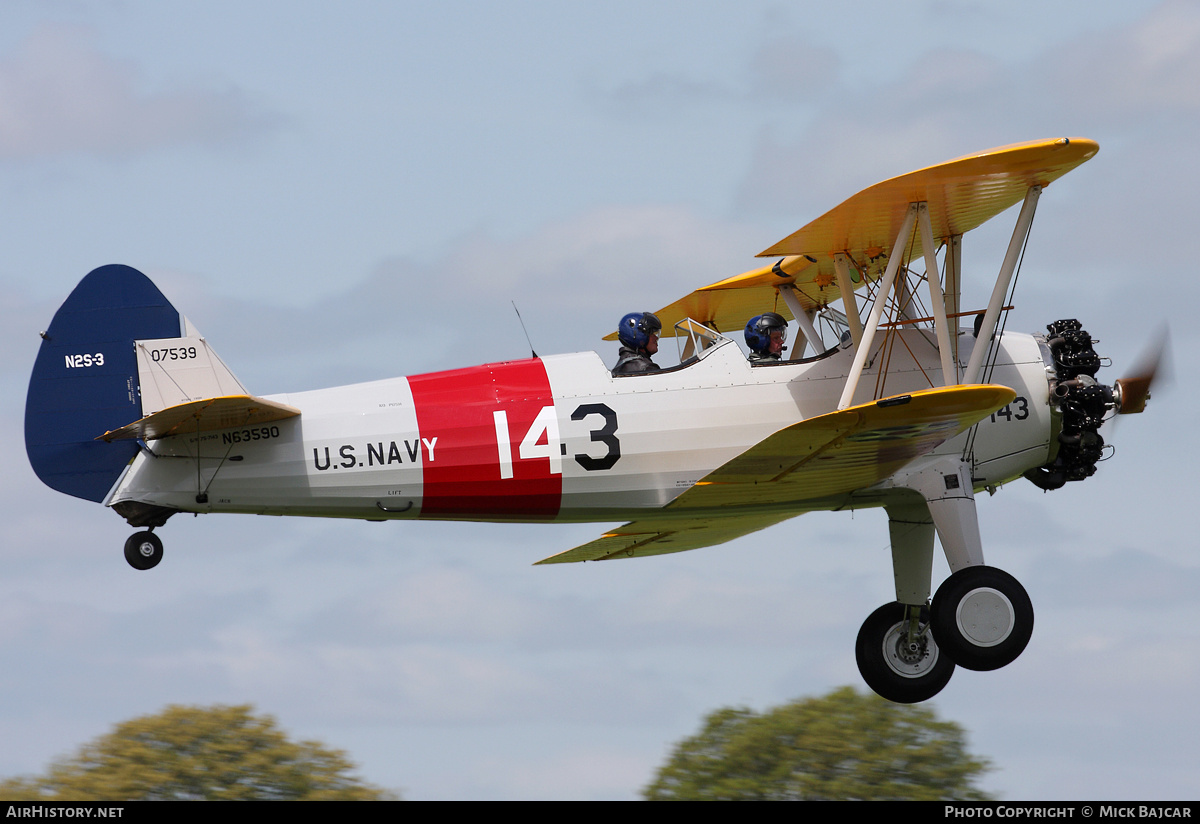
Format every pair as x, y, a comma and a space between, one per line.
1131, 392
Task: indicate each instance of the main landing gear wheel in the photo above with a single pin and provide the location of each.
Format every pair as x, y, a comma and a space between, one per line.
982, 617
899, 668
143, 550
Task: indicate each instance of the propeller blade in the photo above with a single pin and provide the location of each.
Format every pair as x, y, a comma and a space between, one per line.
1132, 391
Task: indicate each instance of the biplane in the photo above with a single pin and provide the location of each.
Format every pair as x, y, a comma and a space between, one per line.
894, 396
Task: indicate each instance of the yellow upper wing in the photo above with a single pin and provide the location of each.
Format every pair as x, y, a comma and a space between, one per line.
816, 458
961, 193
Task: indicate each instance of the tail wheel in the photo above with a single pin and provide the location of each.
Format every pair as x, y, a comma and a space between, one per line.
143, 550
898, 656
982, 618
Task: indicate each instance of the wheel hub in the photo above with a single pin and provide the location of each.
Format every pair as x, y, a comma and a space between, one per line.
146, 549
910, 658
985, 617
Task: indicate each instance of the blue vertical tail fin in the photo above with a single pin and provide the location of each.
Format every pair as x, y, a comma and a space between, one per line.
85, 379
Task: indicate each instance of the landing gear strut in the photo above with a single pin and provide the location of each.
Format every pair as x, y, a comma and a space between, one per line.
898, 657
143, 550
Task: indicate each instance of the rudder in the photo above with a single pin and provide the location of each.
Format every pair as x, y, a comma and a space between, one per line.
85, 379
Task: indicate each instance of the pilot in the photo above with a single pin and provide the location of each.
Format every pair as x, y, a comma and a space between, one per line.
638, 333
765, 335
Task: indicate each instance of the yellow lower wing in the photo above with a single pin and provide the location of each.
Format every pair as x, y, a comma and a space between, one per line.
661, 536
205, 415
823, 456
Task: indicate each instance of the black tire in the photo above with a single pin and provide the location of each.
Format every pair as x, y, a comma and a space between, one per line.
143, 550
900, 675
982, 618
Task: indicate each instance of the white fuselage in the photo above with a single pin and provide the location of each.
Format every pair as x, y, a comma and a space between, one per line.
560, 438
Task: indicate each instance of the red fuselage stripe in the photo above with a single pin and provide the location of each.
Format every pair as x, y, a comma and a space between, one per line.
462, 437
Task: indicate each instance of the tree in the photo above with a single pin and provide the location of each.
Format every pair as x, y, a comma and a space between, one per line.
193, 754
841, 746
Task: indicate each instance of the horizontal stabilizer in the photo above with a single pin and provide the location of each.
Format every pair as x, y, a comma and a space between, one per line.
205, 415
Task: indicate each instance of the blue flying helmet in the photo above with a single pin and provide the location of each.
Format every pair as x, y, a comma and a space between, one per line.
759, 329
636, 328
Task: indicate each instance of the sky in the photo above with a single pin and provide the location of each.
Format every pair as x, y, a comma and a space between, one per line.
360, 191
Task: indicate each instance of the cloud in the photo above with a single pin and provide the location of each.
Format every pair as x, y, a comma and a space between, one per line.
60, 96
1120, 84
571, 279
784, 72
779, 74
1149, 69
665, 91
